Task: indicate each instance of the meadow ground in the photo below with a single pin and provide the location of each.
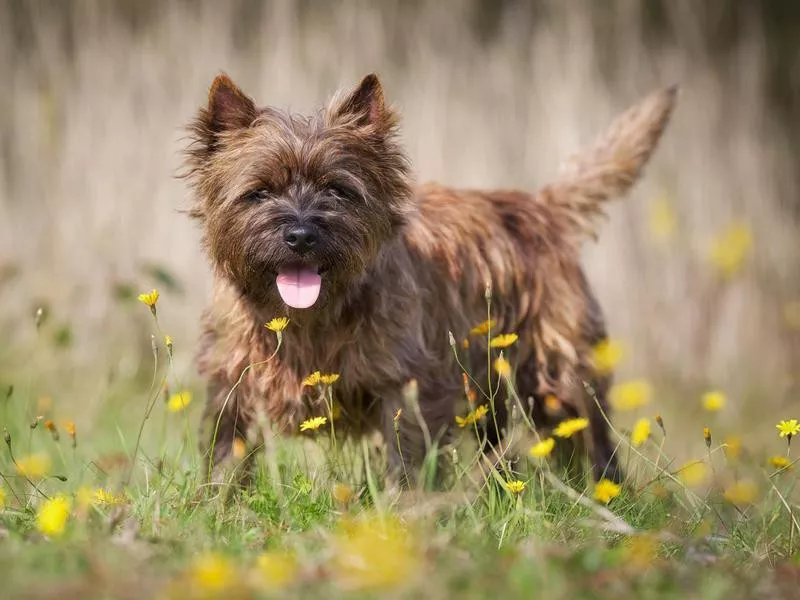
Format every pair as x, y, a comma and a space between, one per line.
121, 509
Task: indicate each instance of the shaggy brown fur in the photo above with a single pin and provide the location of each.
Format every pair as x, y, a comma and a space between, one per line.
401, 266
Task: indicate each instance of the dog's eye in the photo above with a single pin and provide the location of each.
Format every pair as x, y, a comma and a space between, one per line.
340, 192
254, 196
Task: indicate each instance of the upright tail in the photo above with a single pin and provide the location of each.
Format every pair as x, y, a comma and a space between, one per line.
613, 164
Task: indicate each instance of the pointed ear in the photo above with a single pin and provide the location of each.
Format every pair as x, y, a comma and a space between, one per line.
365, 103
229, 107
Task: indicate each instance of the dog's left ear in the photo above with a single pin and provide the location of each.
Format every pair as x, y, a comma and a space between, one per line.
365, 104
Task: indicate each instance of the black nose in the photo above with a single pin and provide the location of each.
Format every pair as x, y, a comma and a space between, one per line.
300, 238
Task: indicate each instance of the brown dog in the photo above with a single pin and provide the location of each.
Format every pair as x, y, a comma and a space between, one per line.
316, 218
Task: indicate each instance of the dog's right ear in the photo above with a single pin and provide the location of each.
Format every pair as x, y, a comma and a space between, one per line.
228, 106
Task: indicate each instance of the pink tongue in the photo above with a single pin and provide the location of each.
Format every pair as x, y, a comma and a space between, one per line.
299, 288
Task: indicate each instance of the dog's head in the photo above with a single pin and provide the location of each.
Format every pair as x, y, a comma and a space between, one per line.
295, 208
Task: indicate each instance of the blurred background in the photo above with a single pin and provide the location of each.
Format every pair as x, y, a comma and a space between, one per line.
698, 270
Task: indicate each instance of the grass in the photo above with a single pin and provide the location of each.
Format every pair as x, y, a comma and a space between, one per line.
320, 520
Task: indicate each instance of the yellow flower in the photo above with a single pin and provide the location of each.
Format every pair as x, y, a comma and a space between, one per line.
707, 436
277, 324
52, 517
516, 486
374, 554
714, 401
788, 428
102, 496
729, 249
168, 343
473, 416
177, 402
663, 220
483, 328
503, 340
312, 379
329, 378
791, 315
606, 355
276, 570
570, 427
641, 432
630, 395
741, 492
238, 448
552, 404
149, 298
502, 366
605, 491
34, 466
780, 462
313, 423
2, 497
660, 423
465, 344
212, 573
693, 473
53, 429
543, 448
641, 550
342, 493
733, 447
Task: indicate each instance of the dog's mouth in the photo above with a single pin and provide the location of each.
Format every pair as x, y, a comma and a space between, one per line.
299, 285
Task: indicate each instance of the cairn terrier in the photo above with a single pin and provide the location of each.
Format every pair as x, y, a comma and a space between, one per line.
316, 218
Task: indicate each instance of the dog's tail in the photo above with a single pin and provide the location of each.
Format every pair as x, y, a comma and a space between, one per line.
612, 165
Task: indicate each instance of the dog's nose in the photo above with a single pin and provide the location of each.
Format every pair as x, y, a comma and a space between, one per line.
300, 238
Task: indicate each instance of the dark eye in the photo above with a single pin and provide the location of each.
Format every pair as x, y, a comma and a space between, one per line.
340, 192
254, 196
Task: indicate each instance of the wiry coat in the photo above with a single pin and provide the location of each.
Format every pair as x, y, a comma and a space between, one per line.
403, 268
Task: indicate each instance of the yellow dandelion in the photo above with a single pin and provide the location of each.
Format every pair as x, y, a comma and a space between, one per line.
502, 366
707, 436
741, 493
179, 401
168, 343
714, 401
53, 429
102, 496
503, 340
630, 395
149, 298
732, 447
780, 462
212, 573
374, 554
791, 315
277, 324
465, 344
663, 222
329, 378
641, 432
313, 423
552, 404
606, 490
483, 328
570, 427
238, 448
342, 493
606, 355
312, 379
543, 449
34, 466
276, 570
516, 486
53, 515
729, 249
473, 416
660, 423
693, 473
788, 428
